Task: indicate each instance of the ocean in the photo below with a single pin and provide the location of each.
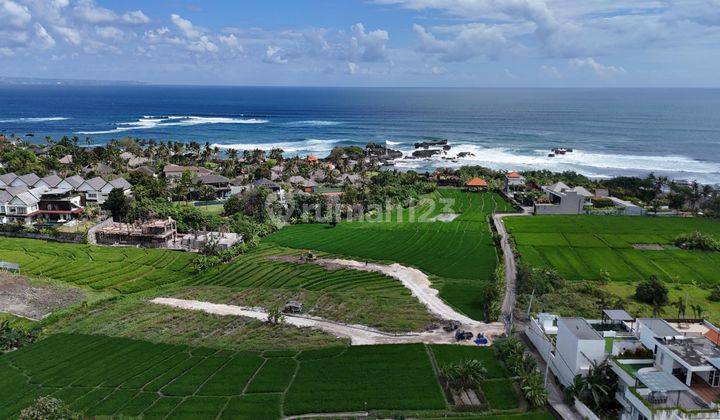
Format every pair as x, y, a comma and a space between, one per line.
672, 132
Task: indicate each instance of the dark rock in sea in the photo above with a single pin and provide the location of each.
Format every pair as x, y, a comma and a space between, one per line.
425, 153
465, 154
446, 147
426, 144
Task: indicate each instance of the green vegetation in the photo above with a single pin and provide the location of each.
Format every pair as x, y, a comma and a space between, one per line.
343, 295
460, 255
103, 376
603, 258
582, 247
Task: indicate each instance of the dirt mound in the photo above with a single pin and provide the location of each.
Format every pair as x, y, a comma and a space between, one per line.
19, 297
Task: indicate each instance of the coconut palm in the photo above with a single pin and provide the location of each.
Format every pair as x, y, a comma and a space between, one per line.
464, 374
534, 390
681, 307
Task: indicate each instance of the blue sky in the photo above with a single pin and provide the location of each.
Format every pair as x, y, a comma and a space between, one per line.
544, 43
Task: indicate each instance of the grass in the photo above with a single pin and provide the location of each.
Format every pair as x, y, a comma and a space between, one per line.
460, 255
500, 394
397, 377
343, 295
114, 376
582, 247
585, 247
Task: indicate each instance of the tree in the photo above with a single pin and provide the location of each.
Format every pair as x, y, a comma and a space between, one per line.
652, 291
534, 389
275, 316
698, 310
117, 204
47, 408
681, 307
464, 374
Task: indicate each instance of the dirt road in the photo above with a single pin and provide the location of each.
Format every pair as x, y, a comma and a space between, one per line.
508, 303
358, 334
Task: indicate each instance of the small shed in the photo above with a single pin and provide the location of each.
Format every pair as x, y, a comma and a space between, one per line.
476, 184
293, 307
9, 266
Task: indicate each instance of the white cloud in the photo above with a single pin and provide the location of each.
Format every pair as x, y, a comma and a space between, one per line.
468, 42
599, 69
109, 32
135, 17
369, 46
438, 70
88, 11
551, 71
273, 55
353, 68
185, 26
202, 44
14, 14
231, 42
70, 35
44, 40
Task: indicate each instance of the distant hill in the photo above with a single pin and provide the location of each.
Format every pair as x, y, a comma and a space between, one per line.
18, 81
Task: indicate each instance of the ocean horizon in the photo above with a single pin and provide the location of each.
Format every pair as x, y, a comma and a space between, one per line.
615, 131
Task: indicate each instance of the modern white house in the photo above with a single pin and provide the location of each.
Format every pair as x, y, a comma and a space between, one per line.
563, 199
514, 179
97, 189
666, 370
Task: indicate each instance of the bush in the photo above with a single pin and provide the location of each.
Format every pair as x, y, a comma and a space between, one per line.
638, 353
47, 408
715, 295
652, 291
697, 240
14, 337
602, 202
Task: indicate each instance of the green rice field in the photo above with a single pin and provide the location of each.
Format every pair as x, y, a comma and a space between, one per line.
460, 254
104, 376
582, 247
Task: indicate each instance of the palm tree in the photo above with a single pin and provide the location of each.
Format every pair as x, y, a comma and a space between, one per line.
698, 310
464, 374
681, 307
657, 309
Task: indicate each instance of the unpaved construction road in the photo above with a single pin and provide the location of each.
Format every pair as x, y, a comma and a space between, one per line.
413, 279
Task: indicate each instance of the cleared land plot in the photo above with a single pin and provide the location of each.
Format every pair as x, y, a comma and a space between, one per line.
583, 247
19, 296
460, 254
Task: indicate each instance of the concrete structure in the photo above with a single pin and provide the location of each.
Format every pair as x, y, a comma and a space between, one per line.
199, 240
681, 380
514, 179
158, 233
563, 199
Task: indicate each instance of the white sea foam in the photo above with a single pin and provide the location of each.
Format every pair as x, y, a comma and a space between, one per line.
392, 143
594, 164
304, 146
148, 122
312, 123
34, 119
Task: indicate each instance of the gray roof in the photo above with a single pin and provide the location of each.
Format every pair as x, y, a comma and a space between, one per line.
96, 183
29, 179
659, 327
5, 196
618, 315
28, 198
75, 180
264, 182
52, 180
715, 361
120, 183
213, 179
581, 328
8, 178
659, 381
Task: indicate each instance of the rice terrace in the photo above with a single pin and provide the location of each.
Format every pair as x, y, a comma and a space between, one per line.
157, 362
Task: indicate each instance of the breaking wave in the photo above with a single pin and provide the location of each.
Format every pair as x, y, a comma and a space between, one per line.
593, 164
312, 123
148, 122
34, 119
303, 146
